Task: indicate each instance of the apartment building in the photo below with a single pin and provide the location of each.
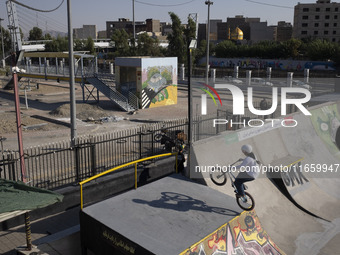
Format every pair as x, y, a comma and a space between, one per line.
317, 20
85, 32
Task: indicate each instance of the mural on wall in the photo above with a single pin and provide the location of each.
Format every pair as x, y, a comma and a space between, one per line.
159, 86
249, 63
242, 235
326, 122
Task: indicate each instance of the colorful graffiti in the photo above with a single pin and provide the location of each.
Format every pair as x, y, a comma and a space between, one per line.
158, 87
250, 63
326, 122
242, 235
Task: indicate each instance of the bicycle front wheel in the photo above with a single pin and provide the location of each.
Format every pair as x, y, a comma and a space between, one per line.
158, 137
218, 177
246, 204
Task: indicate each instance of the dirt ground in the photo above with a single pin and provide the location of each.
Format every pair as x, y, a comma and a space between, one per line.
47, 115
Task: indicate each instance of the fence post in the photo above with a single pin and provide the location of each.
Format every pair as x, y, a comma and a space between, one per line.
77, 161
11, 167
93, 156
248, 78
236, 72
140, 143
306, 75
217, 113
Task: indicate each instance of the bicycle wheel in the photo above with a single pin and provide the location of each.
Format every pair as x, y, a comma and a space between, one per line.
218, 177
247, 205
158, 137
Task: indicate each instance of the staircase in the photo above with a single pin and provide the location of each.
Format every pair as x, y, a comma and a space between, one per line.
110, 91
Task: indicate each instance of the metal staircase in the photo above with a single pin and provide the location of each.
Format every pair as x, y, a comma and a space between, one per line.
108, 89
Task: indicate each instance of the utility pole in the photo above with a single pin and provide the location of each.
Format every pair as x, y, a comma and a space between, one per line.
2, 43
133, 18
208, 38
71, 68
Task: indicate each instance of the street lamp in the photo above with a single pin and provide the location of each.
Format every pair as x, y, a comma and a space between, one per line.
208, 35
2, 43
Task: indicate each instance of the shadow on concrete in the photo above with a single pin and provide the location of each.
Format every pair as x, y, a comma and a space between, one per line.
183, 203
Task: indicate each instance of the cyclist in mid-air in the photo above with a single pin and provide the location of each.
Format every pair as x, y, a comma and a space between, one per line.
249, 170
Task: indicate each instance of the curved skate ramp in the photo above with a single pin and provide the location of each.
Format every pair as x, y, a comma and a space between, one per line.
293, 229
242, 235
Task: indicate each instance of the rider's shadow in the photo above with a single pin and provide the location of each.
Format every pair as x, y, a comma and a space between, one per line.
183, 203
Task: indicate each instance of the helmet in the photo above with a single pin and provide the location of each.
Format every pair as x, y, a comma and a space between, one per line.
247, 148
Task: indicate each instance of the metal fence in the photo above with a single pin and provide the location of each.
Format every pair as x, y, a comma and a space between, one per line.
60, 164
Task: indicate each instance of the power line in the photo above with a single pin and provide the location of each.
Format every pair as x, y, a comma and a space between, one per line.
38, 10
165, 5
29, 18
272, 5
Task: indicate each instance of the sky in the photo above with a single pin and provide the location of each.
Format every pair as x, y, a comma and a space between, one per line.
91, 12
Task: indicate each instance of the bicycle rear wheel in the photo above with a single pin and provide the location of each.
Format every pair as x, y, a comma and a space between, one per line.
158, 137
218, 177
247, 205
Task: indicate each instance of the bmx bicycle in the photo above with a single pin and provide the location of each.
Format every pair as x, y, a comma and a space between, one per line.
219, 177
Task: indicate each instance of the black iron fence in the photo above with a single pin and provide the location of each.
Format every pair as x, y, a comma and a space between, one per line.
60, 164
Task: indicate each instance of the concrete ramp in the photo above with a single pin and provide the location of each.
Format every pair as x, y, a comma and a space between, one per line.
163, 217
286, 211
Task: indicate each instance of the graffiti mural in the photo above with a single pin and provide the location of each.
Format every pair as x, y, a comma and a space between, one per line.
158, 86
276, 64
326, 122
243, 235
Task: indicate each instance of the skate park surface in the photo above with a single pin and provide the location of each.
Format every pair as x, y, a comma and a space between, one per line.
300, 210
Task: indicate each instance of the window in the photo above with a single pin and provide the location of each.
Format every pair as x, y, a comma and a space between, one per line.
336, 9
335, 24
328, 9
335, 16
333, 39
317, 9
317, 17
316, 32
304, 17
304, 24
325, 32
303, 32
326, 24
305, 9
316, 25
334, 32
327, 17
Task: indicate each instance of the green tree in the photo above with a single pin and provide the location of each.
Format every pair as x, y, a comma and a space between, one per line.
35, 34
322, 50
57, 45
225, 49
7, 41
48, 36
78, 44
147, 46
120, 38
292, 47
89, 45
176, 40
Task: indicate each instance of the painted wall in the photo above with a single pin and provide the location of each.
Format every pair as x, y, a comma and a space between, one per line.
249, 63
242, 235
159, 82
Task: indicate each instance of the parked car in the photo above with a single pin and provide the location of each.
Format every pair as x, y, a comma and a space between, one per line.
233, 80
260, 81
298, 83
